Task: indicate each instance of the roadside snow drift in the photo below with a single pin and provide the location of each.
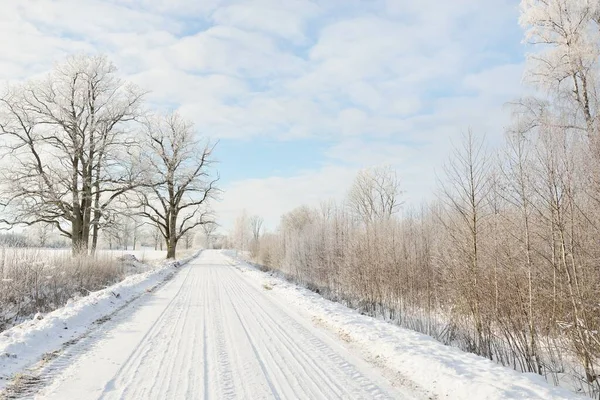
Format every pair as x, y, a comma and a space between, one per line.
440, 371
25, 344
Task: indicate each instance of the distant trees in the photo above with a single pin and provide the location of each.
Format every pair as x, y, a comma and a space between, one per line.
246, 233
180, 185
256, 223
41, 233
375, 194
240, 237
124, 230
208, 230
74, 141
188, 239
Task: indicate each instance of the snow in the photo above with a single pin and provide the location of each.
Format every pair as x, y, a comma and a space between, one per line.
439, 370
221, 329
145, 254
24, 344
209, 333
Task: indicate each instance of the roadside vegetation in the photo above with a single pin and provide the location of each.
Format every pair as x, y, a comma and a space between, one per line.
504, 263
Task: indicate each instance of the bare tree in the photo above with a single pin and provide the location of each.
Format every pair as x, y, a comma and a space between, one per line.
66, 137
568, 35
208, 230
188, 239
179, 175
375, 194
241, 231
464, 192
256, 223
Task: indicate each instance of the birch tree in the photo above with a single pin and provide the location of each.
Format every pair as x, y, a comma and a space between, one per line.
567, 63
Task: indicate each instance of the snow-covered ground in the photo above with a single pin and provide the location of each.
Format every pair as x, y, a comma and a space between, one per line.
223, 330
144, 254
211, 333
414, 359
25, 344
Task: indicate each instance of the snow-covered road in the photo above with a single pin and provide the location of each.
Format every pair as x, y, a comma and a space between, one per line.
212, 333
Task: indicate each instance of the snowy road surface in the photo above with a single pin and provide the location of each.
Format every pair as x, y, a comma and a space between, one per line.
211, 333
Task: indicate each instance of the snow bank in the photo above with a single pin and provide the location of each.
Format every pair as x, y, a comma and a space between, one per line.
442, 371
23, 345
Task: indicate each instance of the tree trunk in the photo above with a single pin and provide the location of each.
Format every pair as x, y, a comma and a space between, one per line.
95, 230
78, 245
171, 247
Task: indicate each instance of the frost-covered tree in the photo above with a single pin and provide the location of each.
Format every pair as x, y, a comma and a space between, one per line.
256, 223
566, 64
375, 194
208, 230
241, 234
179, 178
464, 192
66, 138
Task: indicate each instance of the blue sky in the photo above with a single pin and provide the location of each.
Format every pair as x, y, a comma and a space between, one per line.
300, 94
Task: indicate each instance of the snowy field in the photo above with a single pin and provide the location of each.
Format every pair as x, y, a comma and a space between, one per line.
36, 280
46, 335
221, 329
144, 254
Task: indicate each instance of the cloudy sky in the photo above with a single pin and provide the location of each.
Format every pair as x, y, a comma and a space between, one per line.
301, 94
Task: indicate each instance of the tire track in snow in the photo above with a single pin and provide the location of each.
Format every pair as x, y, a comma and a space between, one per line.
219, 337
227, 384
271, 356
144, 356
258, 357
177, 362
205, 348
304, 383
277, 318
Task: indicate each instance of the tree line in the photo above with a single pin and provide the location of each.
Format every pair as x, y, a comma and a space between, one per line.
505, 262
80, 149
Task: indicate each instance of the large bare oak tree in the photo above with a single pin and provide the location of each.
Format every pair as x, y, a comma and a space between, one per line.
66, 141
178, 168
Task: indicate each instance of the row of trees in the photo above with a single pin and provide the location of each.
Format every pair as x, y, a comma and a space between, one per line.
505, 262
79, 150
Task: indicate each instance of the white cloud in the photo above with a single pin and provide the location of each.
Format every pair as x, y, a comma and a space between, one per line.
173, 8
274, 196
280, 19
359, 74
233, 51
176, 86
